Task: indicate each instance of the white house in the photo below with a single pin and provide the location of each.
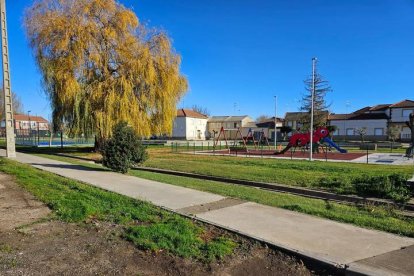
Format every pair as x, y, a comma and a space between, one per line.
347, 125
399, 114
376, 120
189, 125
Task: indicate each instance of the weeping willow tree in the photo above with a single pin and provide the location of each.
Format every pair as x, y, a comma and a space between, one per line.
101, 67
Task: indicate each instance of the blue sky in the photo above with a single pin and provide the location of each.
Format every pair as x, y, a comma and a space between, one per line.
238, 54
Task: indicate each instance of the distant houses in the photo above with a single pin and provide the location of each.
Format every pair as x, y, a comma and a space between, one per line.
25, 124
191, 125
375, 120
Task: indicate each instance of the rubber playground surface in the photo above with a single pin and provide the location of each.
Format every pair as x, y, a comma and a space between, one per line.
297, 154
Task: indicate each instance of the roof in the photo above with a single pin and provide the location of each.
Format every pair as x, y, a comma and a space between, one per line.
362, 110
380, 107
334, 116
190, 113
270, 123
228, 118
22, 117
369, 116
359, 116
403, 103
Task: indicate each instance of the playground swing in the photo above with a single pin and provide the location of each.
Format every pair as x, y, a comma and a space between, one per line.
235, 146
250, 137
263, 138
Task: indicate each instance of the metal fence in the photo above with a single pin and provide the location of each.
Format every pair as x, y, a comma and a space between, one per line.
44, 138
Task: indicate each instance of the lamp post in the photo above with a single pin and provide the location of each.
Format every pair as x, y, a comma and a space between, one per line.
30, 125
275, 142
312, 106
7, 95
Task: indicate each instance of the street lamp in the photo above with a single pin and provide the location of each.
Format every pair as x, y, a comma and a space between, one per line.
312, 107
30, 125
275, 122
7, 95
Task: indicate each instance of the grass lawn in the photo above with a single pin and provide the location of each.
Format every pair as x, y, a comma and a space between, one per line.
332, 176
147, 226
373, 217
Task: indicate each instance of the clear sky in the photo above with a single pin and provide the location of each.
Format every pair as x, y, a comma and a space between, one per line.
238, 54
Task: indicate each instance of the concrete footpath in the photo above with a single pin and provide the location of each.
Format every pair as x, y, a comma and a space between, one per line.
342, 245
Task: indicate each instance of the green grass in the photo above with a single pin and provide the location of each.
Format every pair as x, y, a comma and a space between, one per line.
146, 225
337, 177
374, 217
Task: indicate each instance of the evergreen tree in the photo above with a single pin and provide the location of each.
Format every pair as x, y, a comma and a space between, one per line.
320, 106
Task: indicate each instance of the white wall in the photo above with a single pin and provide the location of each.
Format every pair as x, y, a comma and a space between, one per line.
370, 125
196, 128
397, 114
179, 128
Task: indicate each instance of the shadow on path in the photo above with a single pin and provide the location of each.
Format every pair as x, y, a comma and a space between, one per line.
71, 167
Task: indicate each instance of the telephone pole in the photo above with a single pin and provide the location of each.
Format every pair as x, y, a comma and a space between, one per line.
7, 95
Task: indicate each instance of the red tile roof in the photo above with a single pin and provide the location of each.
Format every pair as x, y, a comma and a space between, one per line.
403, 103
22, 117
190, 113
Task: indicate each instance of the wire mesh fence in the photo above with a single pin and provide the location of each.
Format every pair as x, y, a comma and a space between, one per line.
44, 138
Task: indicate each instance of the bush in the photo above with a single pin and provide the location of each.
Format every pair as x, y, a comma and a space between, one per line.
392, 186
123, 150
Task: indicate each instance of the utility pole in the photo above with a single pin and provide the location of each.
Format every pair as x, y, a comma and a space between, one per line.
7, 95
275, 122
312, 105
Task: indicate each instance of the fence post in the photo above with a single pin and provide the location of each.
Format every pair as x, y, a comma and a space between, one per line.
172, 147
194, 145
202, 146
61, 139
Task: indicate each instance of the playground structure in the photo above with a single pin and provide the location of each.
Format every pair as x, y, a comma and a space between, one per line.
302, 140
257, 143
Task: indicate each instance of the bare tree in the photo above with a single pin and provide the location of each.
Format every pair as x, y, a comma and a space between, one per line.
201, 109
362, 132
393, 134
17, 104
263, 118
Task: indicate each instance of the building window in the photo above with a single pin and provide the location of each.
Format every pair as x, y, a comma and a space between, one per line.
350, 131
336, 132
235, 125
407, 112
378, 131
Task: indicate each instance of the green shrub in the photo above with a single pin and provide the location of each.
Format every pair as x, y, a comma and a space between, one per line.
123, 150
393, 186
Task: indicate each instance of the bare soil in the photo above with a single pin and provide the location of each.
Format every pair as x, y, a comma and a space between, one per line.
32, 243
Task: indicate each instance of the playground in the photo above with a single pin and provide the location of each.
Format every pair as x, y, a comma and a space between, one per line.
256, 144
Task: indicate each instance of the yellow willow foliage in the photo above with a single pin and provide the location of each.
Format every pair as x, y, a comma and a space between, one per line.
101, 67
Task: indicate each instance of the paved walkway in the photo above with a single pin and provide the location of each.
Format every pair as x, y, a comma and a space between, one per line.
360, 250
